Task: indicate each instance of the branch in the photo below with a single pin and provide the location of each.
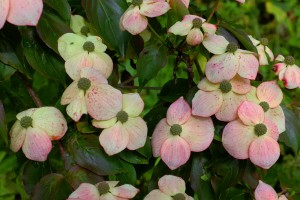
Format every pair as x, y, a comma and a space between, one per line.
213, 11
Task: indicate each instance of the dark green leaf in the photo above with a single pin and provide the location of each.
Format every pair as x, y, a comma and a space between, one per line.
291, 137
104, 15
51, 27
129, 176
235, 193
62, 7
52, 186
6, 72
146, 150
177, 12
3, 126
133, 157
87, 153
42, 59
152, 59
154, 116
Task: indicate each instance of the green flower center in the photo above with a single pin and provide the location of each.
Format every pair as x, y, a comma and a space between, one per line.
84, 84
265, 106
260, 129
122, 116
176, 129
84, 31
137, 2
103, 188
179, 196
264, 41
26, 122
289, 60
89, 46
232, 47
225, 86
197, 23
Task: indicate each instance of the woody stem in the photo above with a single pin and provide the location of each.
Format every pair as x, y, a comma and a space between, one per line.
214, 10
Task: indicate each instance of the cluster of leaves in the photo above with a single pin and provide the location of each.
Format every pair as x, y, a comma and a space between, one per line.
29, 59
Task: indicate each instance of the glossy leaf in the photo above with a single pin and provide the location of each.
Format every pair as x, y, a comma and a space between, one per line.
62, 7
133, 157
3, 126
177, 12
128, 176
6, 72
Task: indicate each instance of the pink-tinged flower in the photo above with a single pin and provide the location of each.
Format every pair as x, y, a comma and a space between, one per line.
170, 188
252, 136
264, 53
81, 52
91, 94
135, 21
125, 129
269, 96
264, 191
185, 2
20, 13
193, 27
105, 190
241, 1
80, 26
34, 130
230, 60
221, 99
287, 71
180, 133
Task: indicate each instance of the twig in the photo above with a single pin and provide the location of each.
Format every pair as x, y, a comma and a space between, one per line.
214, 10
128, 80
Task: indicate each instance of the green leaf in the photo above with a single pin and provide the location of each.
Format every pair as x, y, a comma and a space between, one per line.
87, 153
51, 27
133, 157
129, 176
154, 116
177, 12
52, 186
3, 126
41, 58
104, 15
291, 137
240, 35
200, 177
152, 59
62, 7
6, 72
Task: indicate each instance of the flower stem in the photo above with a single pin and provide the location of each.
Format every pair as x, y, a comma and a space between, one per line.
214, 10
155, 33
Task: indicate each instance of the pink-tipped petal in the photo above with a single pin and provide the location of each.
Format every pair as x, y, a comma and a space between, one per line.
124, 191
209, 28
17, 136
160, 135
51, 121
77, 107
248, 65
229, 107
37, 144
206, 104
85, 191
4, 8
137, 130
104, 123
154, 8
133, 104
133, 21
215, 44
251, 113
240, 85
291, 77
221, 67
70, 45
236, 139
175, 152
157, 194
181, 28
198, 132
103, 102
70, 93
277, 116
251, 95
278, 67
194, 37
264, 191
25, 12
171, 185
179, 112
101, 62
272, 130
94, 75
207, 86
264, 151
270, 92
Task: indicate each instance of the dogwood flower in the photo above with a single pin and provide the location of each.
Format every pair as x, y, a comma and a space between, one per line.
230, 60
241, 1
185, 2
82, 52
264, 191
269, 96
105, 190
135, 21
20, 13
80, 26
91, 94
287, 71
170, 188
191, 26
180, 133
264, 53
34, 130
221, 99
252, 136
125, 129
